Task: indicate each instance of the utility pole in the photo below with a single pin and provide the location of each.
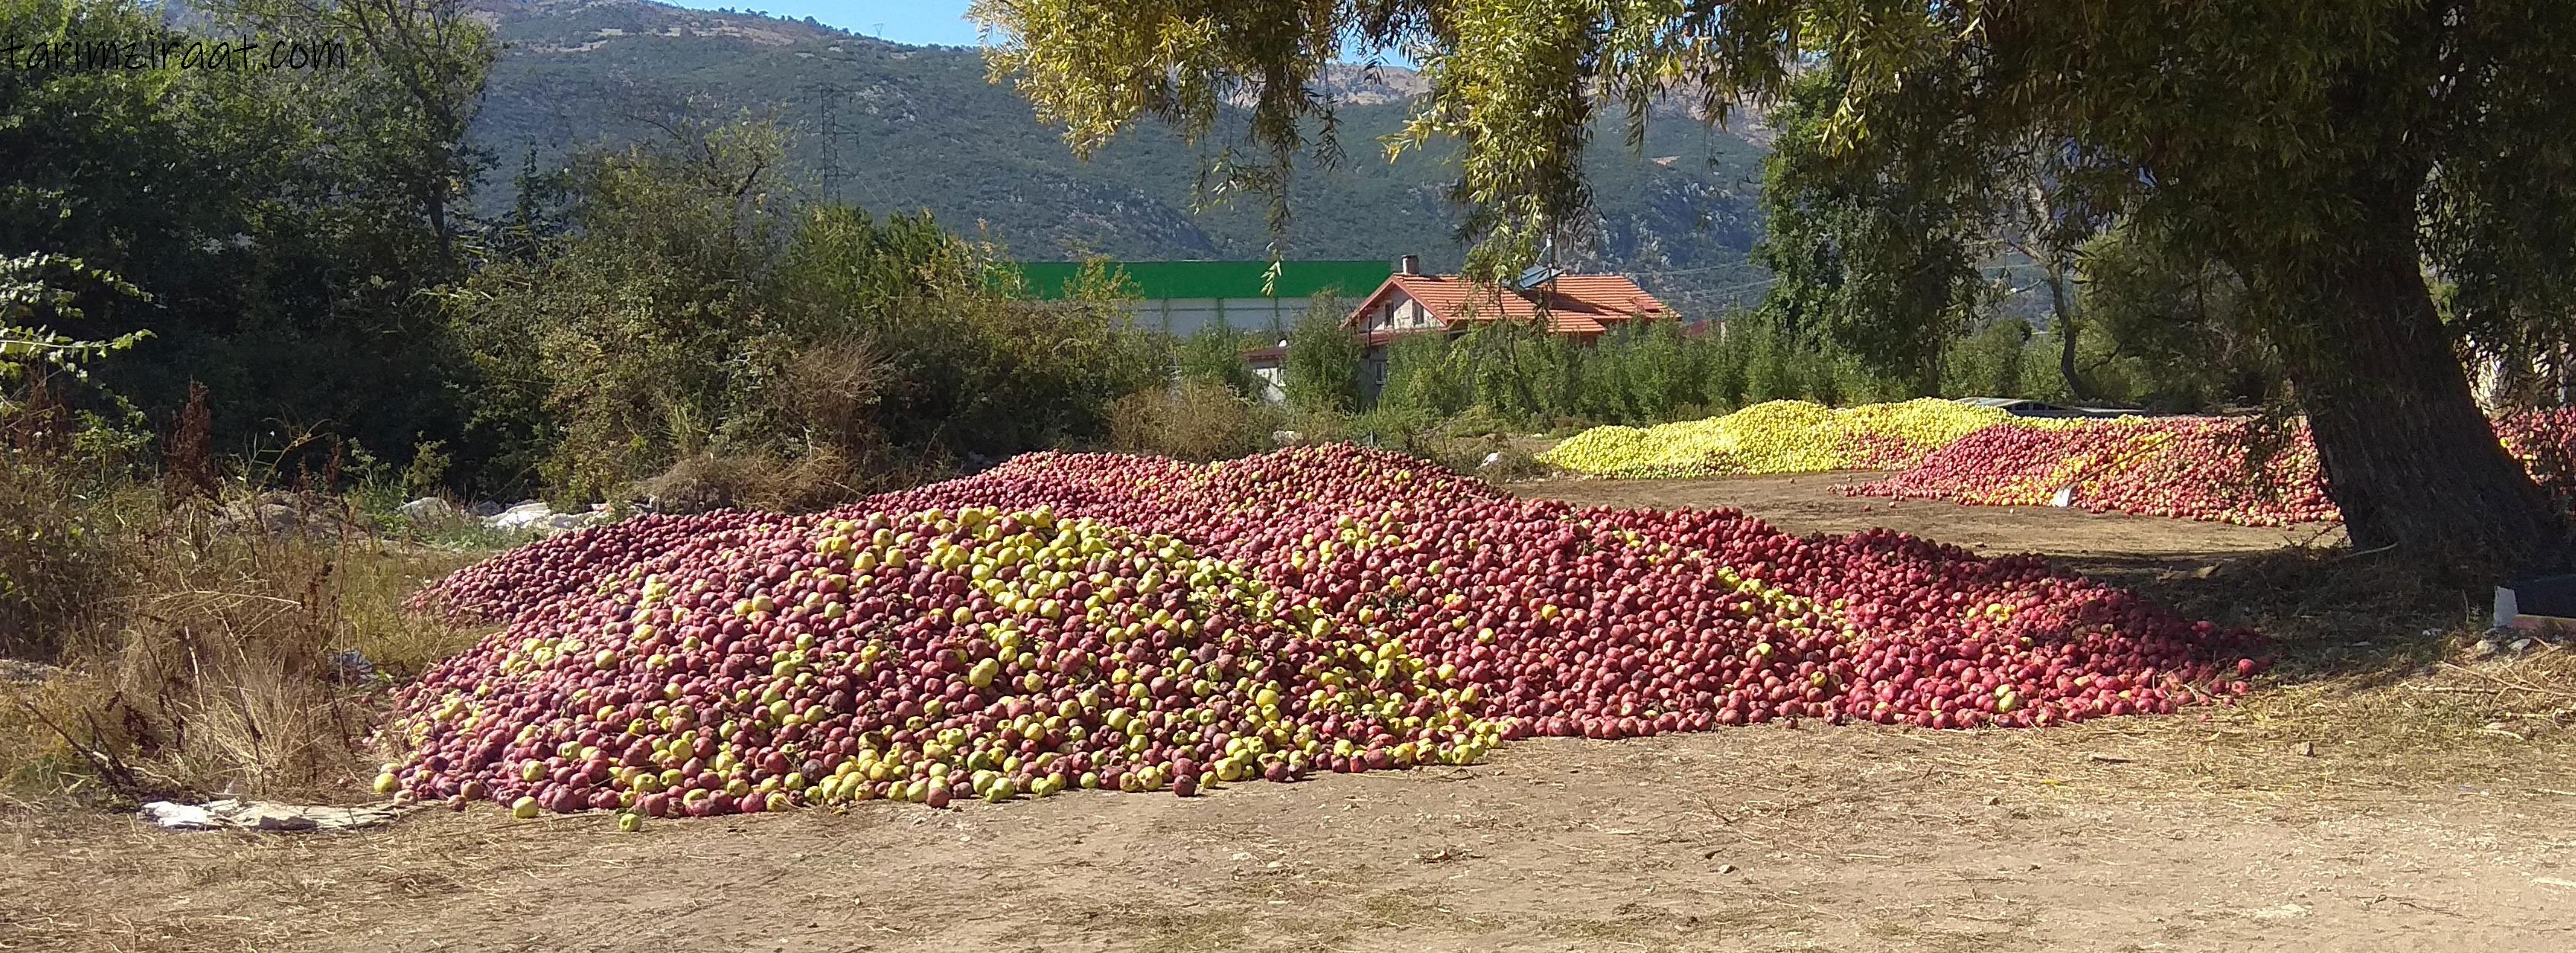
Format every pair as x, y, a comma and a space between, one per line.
827, 96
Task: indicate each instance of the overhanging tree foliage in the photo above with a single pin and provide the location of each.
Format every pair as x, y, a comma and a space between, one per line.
32, 291
2326, 150
1880, 257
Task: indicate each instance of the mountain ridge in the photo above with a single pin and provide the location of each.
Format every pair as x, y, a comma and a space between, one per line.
894, 127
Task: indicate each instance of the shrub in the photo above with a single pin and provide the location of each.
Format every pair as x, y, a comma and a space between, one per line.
64, 555
1197, 420
1406, 429
682, 319
1215, 354
1768, 373
65, 503
1661, 373
1315, 426
1321, 371
1508, 464
1521, 372
239, 662
1423, 374
1987, 362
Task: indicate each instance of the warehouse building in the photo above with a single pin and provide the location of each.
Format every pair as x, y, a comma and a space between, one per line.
1180, 297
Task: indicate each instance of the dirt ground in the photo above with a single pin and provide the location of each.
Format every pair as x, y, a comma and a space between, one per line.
2368, 805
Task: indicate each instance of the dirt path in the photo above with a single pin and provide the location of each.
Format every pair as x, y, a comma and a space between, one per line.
1753, 839
2344, 816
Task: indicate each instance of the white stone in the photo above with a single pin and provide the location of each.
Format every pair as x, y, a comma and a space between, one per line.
429, 508
523, 516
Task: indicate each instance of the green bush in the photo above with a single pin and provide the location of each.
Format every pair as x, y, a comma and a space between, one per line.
1988, 362
688, 317
1402, 429
1423, 374
1663, 371
1723, 375
1215, 354
1321, 371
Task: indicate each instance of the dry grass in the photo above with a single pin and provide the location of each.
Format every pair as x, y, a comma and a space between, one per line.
63, 541
822, 476
2375, 667
236, 661
1196, 420
191, 643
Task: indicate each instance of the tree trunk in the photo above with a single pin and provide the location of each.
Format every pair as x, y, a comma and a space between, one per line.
2062, 315
2406, 454
434, 199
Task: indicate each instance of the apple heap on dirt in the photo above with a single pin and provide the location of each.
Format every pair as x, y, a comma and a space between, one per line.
1781, 436
2218, 469
1075, 621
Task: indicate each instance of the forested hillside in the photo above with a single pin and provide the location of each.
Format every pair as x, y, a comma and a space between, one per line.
904, 128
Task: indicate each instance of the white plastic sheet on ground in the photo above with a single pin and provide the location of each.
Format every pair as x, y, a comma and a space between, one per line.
239, 815
530, 516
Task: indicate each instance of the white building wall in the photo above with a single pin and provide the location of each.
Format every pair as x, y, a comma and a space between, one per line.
1413, 316
1185, 316
1401, 313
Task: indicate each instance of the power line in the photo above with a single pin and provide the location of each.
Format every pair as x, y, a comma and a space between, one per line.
1730, 289
1703, 268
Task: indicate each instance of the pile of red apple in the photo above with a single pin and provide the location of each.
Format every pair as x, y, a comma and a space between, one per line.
2545, 442
2203, 468
2229, 470
1074, 621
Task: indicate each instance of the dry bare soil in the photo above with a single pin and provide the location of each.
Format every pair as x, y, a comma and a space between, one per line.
2389, 794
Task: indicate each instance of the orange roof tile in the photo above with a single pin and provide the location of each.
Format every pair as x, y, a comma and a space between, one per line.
1579, 305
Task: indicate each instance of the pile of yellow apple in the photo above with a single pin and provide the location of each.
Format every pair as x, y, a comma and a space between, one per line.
1781, 436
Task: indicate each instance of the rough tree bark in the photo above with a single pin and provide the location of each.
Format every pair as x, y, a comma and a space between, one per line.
2407, 455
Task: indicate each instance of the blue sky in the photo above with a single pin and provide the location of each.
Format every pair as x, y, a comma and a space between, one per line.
941, 22
900, 21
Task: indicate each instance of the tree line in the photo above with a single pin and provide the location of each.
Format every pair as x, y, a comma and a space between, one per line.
305, 247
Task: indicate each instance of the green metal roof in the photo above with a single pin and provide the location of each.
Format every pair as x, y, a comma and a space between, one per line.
1354, 278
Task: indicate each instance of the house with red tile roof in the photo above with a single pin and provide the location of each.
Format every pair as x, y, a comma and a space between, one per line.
1582, 307
1578, 306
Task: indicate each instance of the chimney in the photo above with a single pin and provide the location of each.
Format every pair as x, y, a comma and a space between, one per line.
1409, 265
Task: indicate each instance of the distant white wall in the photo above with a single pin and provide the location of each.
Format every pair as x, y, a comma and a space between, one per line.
1185, 316
1400, 313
